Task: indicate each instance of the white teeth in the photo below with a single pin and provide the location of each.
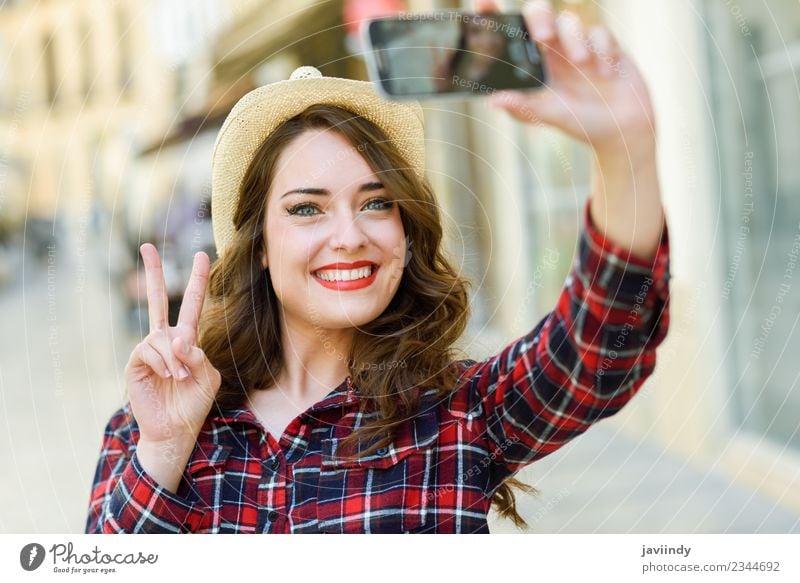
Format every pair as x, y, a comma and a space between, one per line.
346, 275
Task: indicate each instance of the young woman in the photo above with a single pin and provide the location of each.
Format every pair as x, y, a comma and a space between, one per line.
316, 389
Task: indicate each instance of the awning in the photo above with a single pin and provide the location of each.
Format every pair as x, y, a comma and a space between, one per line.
218, 105
311, 28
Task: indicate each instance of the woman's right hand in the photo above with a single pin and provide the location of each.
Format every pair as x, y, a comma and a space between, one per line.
171, 392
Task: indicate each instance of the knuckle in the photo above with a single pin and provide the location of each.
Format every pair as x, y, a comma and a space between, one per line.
136, 353
141, 351
140, 354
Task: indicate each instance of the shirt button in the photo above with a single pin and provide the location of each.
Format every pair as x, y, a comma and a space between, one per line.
272, 516
275, 464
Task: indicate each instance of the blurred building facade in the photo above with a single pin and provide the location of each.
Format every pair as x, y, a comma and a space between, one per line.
723, 76
91, 84
116, 105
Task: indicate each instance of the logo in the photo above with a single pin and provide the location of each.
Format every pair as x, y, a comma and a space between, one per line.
31, 556
397, 252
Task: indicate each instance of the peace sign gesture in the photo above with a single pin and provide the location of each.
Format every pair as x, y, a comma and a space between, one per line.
171, 383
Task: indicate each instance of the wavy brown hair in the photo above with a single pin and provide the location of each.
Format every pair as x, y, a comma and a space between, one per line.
427, 315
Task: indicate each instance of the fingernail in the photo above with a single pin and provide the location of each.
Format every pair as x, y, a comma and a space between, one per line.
182, 373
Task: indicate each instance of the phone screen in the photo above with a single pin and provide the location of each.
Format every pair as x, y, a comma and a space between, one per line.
452, 53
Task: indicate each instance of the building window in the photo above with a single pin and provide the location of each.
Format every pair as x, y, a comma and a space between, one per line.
556, 177
124, 42
754, 62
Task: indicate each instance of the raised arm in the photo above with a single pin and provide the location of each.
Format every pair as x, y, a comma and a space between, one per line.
581, 363
587, 358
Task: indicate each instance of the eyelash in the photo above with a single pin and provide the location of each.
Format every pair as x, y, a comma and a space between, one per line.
294, 210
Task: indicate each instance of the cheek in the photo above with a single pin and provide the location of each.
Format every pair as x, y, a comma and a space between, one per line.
387, 234
287, 255
396, 252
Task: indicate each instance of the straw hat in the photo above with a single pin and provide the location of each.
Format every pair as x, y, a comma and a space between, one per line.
262, 110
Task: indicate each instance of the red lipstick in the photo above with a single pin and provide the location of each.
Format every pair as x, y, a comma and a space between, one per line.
353, 284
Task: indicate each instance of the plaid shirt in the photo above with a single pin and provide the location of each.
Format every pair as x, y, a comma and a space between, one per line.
584, 361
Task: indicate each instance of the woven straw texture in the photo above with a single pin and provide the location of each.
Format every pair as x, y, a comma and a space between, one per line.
260, 111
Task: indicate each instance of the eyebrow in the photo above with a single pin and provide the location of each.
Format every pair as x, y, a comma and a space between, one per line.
366, 187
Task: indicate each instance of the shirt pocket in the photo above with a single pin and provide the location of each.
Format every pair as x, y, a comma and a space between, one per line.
205, 475
385, 492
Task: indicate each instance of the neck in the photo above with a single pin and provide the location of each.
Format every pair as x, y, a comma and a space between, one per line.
314, 359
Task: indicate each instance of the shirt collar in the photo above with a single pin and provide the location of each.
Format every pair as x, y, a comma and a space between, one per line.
344, 395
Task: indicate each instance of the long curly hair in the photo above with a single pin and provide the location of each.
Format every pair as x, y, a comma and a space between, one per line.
427, 315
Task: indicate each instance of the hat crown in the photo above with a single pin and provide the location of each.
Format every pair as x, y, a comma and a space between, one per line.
305, 72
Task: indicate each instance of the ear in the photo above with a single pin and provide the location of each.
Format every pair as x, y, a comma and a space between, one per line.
264, 259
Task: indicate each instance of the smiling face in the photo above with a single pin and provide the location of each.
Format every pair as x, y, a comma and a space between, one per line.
335, 240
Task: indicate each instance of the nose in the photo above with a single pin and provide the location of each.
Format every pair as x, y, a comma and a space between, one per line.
347, 235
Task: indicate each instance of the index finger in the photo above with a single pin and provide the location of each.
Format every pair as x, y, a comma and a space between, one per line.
486, 6
195, 293
157, 306
539, 16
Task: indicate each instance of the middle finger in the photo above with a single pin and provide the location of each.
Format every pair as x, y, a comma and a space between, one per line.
193, 297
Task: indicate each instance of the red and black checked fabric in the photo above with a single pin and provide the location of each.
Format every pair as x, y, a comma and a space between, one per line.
584, 361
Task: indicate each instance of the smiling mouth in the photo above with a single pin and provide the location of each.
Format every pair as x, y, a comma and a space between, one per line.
341, 275
347, 280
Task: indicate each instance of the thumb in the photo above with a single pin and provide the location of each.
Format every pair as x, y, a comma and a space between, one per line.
195, 361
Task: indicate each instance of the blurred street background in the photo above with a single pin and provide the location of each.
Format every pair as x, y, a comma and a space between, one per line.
108, 114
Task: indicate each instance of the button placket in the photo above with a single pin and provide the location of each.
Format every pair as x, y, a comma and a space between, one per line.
266, 476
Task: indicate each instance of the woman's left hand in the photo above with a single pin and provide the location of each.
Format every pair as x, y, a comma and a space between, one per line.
594, 93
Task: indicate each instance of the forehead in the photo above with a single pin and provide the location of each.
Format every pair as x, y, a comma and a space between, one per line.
321, 156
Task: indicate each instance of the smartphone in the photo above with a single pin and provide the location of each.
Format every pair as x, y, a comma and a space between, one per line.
452, 55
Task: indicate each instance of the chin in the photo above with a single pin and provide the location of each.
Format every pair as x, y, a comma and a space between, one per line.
338, 319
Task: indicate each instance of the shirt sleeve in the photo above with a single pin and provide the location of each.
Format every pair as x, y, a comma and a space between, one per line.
582, 362
124, 498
